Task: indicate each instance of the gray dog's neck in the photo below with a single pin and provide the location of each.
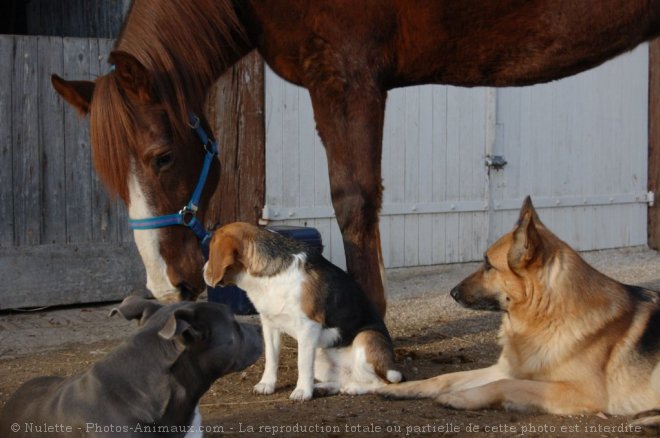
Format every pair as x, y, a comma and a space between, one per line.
170, 389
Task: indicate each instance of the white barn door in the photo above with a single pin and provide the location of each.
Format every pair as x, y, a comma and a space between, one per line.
578, 146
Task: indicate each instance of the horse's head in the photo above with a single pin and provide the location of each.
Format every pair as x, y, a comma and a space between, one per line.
145, 152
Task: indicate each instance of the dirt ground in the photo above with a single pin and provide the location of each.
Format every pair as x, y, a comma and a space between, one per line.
432, 335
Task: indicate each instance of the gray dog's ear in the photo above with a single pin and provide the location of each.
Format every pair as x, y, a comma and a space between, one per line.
134, 307
178, 328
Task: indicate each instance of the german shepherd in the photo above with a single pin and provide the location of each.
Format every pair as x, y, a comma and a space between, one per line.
573, 340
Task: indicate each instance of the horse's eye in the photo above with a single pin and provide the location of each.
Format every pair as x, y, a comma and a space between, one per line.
163, 160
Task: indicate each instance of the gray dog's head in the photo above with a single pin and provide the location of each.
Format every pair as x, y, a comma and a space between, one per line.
206, 336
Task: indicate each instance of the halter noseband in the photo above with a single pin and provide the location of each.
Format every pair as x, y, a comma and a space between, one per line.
187, 215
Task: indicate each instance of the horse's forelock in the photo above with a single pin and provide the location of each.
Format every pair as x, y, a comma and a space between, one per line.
113, 134
184, 44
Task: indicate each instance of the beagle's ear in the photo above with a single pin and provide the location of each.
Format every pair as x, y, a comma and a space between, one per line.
134, 307
527, 242
78, 94
223, 253
132, 75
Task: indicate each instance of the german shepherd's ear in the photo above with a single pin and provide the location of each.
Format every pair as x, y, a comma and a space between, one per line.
132, 75
526, 242
223, 253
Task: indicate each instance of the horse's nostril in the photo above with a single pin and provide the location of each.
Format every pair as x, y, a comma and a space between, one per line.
186, 292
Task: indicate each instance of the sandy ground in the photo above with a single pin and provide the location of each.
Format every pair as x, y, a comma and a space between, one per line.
432, 335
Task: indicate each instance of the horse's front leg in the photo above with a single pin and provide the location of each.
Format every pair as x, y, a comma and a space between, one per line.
349, 120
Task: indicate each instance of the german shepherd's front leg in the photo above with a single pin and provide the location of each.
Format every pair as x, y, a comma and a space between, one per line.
444, 383
559, 398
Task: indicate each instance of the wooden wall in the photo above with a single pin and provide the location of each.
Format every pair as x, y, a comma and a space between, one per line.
62, 239
578, 146
654, 143
76, 18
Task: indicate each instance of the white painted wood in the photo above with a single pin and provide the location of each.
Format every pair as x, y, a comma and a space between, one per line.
584, 136
579, 139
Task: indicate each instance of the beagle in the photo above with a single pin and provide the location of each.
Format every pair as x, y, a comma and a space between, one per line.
342, 342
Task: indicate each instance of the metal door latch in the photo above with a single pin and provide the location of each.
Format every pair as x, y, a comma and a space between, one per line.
496, 162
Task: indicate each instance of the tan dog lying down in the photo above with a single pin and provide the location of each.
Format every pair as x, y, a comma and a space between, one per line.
342, 342
573, 340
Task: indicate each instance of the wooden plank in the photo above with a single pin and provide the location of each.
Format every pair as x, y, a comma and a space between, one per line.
395, 178
439, 160
25, 140
654, 143
6, 146
425, 169
45, 17
306, 150
76, 18
48, 275
51, 139
321, 178
452, 173
74, 23
411, 174
77, 149
275, 125
237, 117
290, 147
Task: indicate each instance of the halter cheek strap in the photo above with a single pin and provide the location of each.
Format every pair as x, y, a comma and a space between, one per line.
187, 215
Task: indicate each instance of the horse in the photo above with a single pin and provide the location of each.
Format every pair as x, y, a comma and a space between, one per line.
169, 53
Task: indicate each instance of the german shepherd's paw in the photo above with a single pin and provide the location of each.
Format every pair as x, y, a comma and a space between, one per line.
461, 400
404, 391
647, 419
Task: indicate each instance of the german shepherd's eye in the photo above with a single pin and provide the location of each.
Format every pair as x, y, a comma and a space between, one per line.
163, 161
487, 265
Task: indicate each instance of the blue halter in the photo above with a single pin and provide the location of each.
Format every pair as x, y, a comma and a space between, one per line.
187, 215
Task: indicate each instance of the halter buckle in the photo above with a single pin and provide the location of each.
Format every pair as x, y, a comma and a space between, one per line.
187, 215
195, 121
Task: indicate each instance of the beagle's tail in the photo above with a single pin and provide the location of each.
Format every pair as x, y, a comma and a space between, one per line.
379, 354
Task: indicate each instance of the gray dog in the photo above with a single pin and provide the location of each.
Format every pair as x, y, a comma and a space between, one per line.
149, 386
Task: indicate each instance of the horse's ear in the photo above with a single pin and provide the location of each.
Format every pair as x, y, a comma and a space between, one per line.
132, 75
78, 94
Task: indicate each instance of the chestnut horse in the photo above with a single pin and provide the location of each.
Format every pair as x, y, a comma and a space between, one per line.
347, 54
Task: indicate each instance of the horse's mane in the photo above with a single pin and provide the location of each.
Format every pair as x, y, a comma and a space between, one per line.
185, 45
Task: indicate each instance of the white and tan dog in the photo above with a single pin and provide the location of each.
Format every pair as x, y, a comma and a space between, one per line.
342, 341
574, 341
